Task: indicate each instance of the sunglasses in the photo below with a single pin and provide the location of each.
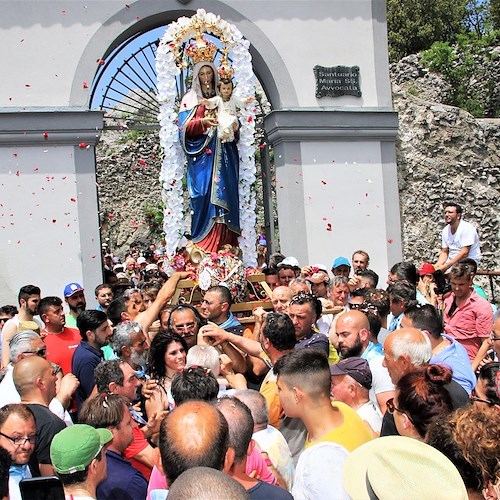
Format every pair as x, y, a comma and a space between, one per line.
39, 352
391, 408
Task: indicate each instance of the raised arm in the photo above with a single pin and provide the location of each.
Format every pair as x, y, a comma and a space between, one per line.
215, 336
147, 317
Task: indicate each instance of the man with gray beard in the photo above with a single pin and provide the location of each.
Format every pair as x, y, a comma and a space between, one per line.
130, 345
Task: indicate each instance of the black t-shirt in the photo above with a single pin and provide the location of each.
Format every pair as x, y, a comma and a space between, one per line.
47, 426
459, 399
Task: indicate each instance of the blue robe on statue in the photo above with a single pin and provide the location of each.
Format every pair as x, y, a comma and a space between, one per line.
212, 178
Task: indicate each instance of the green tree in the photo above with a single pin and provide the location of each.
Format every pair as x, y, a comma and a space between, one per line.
477, 17
469, 66
413, 25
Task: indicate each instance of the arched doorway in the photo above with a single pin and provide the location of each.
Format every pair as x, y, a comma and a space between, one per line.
125, 88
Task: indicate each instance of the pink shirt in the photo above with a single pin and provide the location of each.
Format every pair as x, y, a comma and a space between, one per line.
470, 323
255, 461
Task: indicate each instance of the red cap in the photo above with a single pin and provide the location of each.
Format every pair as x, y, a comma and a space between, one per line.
426, 269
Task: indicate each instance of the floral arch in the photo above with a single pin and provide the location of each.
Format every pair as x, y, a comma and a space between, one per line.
169, 59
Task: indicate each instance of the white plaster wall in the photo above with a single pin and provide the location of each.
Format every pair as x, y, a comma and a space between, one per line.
340, 185
43, 43
325, 33
40, 236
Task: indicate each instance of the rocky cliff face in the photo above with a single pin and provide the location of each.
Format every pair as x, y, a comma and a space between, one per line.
128, 167
443, 154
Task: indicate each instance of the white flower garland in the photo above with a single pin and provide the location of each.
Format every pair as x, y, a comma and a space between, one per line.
173, 164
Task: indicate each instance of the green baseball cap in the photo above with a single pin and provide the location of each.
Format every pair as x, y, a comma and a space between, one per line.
75, 447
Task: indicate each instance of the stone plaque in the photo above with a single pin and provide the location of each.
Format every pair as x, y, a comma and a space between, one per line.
335, 81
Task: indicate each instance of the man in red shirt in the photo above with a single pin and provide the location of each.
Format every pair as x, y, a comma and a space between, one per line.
60, 340
467, 317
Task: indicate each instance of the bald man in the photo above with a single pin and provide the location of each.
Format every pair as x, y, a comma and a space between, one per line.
407, 350
193, 434
353, 332
36, 384
281, 297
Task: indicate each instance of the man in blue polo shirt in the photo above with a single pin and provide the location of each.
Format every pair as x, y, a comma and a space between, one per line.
95, 329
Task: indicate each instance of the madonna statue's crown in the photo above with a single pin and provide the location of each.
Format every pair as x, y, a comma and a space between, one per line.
201, 50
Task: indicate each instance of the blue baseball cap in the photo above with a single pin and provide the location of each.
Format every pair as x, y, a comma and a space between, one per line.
72, 288
340, 261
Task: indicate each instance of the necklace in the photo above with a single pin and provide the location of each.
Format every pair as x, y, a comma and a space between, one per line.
208, 93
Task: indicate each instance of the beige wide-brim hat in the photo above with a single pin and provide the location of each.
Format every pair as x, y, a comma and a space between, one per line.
397, 467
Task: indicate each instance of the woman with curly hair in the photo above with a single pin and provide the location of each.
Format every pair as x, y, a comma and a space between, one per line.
420, 397
477, 433
167, 357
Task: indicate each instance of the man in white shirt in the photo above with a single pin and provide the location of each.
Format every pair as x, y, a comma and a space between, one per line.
459, 239
351, 384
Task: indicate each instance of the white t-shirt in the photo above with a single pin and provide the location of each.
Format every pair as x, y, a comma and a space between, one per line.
371, 414
465, 236
381, 380
319, 473
274, 444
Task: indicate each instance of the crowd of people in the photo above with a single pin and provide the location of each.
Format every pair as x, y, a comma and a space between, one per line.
341, 387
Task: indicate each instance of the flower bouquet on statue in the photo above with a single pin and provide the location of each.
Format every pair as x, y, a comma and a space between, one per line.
223, 269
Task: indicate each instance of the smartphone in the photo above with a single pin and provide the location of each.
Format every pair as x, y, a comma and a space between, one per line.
42, 488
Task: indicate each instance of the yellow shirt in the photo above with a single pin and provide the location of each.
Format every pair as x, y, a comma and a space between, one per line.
350, 434
333, 355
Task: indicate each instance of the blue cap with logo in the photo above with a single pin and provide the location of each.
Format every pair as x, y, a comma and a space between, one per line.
72, 288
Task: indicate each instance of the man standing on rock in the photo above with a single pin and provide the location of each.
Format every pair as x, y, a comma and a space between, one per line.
459, 239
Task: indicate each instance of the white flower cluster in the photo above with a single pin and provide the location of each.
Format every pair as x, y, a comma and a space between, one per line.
173, 164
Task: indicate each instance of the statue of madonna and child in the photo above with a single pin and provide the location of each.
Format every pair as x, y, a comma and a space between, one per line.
209, 133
